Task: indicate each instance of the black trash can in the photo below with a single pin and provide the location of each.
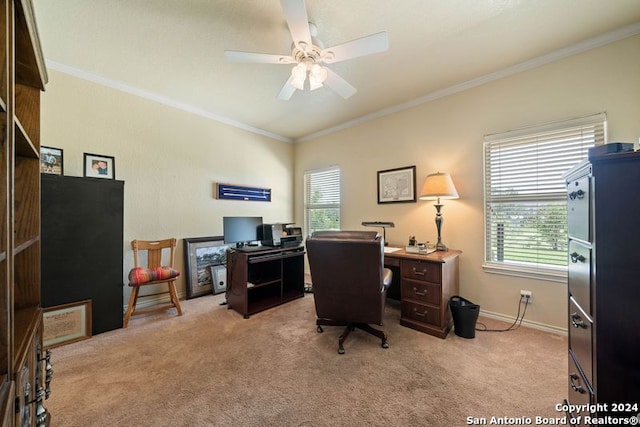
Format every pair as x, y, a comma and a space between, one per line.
465, 314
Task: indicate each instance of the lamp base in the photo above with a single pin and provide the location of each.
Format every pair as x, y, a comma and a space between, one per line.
441, 247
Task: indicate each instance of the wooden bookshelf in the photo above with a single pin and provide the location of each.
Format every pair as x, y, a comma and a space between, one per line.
22, 78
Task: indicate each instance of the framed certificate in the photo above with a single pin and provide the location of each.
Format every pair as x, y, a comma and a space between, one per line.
66, 323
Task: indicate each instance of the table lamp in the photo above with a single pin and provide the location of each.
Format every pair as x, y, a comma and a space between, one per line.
438, 186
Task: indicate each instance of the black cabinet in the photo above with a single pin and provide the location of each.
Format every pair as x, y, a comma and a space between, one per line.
603, 283
82, 246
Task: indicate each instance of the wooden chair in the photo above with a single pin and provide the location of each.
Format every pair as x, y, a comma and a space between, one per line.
155, 272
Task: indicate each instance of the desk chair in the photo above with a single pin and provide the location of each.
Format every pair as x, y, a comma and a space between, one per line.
157, 270
349, 281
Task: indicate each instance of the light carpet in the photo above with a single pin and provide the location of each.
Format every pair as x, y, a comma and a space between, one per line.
211, 367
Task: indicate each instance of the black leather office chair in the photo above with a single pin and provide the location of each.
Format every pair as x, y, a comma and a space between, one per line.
349, 281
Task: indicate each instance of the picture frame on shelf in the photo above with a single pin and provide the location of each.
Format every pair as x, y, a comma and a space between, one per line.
51, 161
66, 323
201, 253
99, 166
397, 185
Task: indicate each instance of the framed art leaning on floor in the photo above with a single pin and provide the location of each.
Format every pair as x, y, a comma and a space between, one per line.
200, 254
66, 323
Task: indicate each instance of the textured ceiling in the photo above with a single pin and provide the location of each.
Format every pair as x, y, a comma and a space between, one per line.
173, 50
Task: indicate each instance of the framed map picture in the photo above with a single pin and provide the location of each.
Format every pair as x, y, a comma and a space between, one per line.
397, 185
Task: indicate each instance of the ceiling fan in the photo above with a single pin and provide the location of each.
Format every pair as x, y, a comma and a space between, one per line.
308, 54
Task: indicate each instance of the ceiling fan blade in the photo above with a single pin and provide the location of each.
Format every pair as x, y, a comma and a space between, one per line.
295, 12
237, 56
374, 43
287, 90
339, 85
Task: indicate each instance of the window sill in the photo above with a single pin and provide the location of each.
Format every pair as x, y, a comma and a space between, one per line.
548, 274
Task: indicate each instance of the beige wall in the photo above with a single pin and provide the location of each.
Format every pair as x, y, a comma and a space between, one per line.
447, 135
170, 161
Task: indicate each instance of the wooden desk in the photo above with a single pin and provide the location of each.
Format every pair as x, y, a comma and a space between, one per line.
426, 284
259, 280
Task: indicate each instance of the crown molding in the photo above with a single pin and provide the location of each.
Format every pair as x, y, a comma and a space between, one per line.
586, 45
151, 96
557, 55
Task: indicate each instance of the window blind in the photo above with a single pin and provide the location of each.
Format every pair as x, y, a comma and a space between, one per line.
322, 200
525, 195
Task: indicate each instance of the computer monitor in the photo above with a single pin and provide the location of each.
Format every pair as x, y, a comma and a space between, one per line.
241, 229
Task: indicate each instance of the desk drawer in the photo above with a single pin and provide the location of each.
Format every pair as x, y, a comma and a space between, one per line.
421, 270
422, 291
421, 313
390, 261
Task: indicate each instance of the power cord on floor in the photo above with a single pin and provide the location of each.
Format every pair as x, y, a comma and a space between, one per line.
523, 300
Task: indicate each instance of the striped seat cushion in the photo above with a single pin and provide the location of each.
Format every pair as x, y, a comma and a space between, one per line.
142, 275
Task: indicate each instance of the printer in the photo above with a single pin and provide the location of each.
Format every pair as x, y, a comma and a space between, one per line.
270, 234
279, 235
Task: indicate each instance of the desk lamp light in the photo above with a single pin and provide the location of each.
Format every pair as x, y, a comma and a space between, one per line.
382, 224
438, 186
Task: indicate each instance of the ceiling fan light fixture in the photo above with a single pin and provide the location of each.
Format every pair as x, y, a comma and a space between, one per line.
308, 52
317, 76
318, 73
314, 84
299, 74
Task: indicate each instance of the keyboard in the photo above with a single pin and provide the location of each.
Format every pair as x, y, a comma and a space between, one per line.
251, 248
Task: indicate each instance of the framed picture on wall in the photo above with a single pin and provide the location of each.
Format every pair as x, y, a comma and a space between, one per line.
202, 253
51, 160
397, 185
99, 166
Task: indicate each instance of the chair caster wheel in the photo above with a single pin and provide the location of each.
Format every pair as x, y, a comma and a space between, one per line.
319, 329
385, 344
341, 350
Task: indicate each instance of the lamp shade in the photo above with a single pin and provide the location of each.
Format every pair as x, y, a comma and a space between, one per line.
438, 185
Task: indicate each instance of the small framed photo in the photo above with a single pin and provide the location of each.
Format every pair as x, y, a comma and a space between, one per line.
219, 278
99, 166
201, 253
66, 323
51, 160
397, 185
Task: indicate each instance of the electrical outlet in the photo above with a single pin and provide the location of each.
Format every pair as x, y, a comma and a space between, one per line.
526, 296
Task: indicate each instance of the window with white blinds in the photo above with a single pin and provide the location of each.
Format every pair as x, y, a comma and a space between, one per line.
322, 200
525, 195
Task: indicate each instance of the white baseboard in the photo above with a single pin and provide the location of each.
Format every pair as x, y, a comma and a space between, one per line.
159, 299
528, 323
